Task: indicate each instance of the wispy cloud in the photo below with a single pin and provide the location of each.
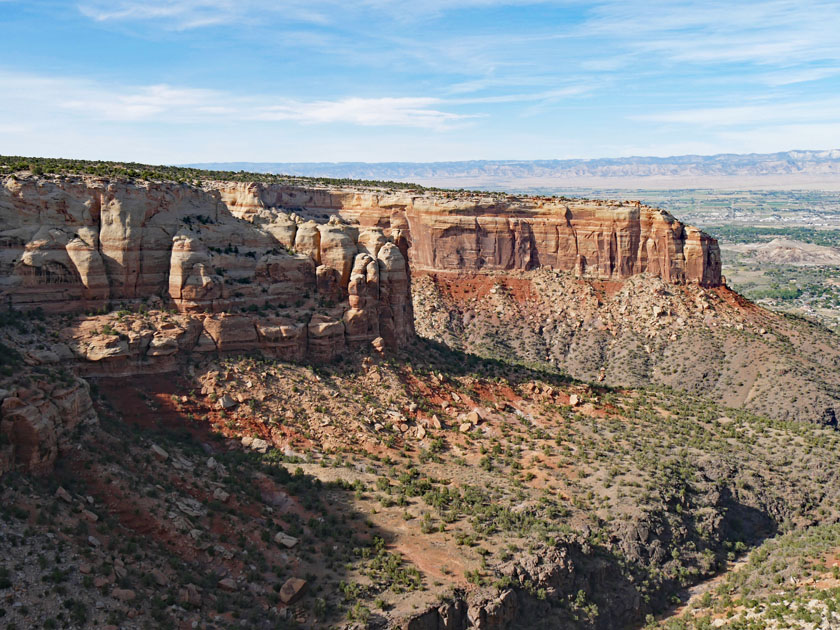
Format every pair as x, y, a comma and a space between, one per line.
188, 14
801, 75
497, 76
192, 14
616, 39
172, 104
404, 112
755, 31
527, 97
751, 31
145, 102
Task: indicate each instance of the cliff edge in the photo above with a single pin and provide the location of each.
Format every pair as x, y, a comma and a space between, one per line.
80, 243
453, 231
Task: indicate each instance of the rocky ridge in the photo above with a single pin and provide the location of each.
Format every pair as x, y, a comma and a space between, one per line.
300, 273
687, 166
73, 243
296, 273
475, 232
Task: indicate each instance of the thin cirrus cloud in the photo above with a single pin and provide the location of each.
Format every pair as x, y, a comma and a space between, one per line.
187, 14
752, 30
30, 96
192, 14
404, 112
608, 34
87, 99
484, 77
792, 77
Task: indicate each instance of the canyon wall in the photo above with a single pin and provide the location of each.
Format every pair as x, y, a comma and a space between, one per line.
299, 288
491, 232
298, 273
304, 271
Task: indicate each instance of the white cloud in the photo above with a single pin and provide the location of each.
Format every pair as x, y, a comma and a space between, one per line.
31, 95
144, 102
776, 43
543, 97
753, 31
405, 112
188, 14
191, 14
400, 69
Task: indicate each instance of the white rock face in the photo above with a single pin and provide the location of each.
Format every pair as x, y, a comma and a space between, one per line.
81, 243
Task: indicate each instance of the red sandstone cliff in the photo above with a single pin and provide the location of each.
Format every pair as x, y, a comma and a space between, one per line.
301, 271
474, 232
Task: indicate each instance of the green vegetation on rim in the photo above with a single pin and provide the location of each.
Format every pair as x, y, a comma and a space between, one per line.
102, 168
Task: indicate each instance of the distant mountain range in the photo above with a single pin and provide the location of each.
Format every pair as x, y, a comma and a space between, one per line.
789, 165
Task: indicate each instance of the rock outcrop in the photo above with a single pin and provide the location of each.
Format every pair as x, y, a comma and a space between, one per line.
592, 239
303, 271
491, 232
70, 244
36, 422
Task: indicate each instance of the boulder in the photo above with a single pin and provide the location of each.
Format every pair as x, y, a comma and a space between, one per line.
292, 590
159, 453
226, 402
62, 494
282, 538
106, 347
124, 594
227, 584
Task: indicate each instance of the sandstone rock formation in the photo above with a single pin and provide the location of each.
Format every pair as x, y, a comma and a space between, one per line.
70, 244
479, 232
36, 421
302, 271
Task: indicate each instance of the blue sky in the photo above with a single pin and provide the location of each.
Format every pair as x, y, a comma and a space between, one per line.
379, 80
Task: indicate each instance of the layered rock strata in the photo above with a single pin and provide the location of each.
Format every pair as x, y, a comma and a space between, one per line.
310, 288
492, 232
306, 271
